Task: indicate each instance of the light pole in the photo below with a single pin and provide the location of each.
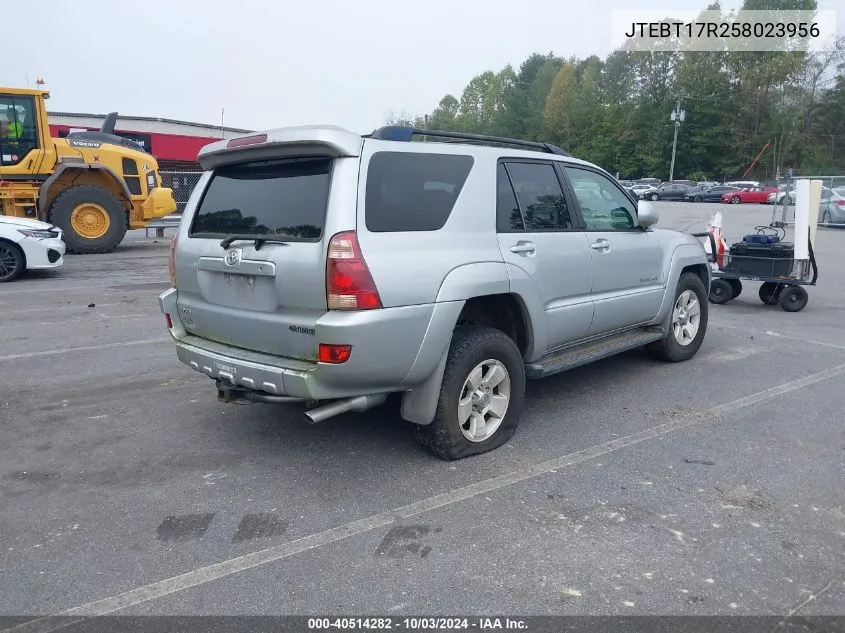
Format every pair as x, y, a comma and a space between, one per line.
677, 116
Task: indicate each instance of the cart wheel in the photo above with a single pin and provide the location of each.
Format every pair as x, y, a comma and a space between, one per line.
720, 291
793, 298
770, 292
736, 287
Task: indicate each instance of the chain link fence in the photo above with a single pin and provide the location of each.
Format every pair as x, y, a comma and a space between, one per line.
181, 179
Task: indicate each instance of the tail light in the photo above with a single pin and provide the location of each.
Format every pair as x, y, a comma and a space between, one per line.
172, 261
840, 202
349, 284
334, 354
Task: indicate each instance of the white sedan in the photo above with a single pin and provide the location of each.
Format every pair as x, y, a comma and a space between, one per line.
28, 245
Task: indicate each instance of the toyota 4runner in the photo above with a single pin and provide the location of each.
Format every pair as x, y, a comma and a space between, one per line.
317, 266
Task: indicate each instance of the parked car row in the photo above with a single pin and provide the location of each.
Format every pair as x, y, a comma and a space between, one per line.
831, 209
736, 192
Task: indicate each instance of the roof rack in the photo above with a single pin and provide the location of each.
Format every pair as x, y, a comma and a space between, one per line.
402, 133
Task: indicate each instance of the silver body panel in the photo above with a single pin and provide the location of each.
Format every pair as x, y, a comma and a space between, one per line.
257, 322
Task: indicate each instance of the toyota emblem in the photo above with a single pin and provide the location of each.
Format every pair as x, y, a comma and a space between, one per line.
232, 257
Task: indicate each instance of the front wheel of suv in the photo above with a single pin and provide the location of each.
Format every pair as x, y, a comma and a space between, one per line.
686, 323
481, 397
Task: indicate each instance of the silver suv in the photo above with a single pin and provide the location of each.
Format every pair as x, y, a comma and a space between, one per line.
320, 267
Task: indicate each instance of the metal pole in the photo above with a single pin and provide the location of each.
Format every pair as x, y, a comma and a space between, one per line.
677, 117
674, 149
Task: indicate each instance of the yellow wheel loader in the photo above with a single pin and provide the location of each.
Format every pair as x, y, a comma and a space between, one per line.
92, 185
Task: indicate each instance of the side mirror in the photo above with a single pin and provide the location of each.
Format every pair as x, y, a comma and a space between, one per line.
646, 214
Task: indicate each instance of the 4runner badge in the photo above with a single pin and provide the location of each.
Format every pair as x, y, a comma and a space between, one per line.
232, 257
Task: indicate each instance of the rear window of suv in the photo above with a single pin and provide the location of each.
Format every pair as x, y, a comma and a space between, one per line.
279, 198
413, 192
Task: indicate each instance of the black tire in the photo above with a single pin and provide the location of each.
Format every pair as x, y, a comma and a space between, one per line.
696, 199
721, 291
769, 292
12, 261
654, 197
736, 287
67, 201
793, 298
735, 200
669, 348
471, 345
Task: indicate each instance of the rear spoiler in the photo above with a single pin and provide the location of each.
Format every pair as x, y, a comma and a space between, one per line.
308, 140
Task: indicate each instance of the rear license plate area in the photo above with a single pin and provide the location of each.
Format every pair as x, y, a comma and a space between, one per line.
246, 280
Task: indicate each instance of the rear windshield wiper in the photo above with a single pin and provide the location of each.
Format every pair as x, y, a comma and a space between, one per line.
259, 240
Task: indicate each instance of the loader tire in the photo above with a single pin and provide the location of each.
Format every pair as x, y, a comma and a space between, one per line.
91, 218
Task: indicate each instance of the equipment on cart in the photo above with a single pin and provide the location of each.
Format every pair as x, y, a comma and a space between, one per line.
783, 267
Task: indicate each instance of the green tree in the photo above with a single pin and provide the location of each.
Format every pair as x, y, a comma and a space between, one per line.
615, 112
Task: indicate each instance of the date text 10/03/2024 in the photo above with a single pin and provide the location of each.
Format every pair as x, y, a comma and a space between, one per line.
417, 624
778, 30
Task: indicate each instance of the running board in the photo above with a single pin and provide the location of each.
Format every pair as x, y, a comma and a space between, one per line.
585, 353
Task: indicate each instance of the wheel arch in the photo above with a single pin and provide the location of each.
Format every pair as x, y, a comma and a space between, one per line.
685, 257
477, 293
72, 174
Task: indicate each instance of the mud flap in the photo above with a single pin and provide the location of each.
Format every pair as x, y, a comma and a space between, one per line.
420, 404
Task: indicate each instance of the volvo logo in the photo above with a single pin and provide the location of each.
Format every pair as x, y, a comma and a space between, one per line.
232, 257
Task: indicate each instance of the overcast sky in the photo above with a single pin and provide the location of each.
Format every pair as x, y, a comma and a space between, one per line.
293, 62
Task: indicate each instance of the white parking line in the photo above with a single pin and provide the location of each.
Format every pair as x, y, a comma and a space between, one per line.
783, 336
87, 348
232, 566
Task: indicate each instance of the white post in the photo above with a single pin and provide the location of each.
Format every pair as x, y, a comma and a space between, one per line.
815, 201
802, 219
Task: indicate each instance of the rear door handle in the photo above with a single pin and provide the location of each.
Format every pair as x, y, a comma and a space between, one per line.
600, 245
523, 248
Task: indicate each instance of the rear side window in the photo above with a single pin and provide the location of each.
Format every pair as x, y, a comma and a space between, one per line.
413, 192
280, 198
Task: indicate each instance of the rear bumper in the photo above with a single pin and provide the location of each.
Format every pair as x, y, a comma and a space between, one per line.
392, 350
272, 379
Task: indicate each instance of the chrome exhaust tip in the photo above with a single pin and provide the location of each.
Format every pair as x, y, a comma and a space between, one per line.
357, 404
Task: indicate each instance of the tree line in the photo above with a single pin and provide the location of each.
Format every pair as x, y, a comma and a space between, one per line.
615, 112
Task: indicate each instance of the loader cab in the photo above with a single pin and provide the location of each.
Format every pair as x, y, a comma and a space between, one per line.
24, 135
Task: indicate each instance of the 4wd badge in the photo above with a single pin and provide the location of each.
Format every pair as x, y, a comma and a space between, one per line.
232, 257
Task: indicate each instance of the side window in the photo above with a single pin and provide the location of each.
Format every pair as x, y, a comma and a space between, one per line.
508, 216
539, 196
603, 206
413, 192
18, 130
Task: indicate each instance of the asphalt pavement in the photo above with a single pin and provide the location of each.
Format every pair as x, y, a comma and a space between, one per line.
631, 487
